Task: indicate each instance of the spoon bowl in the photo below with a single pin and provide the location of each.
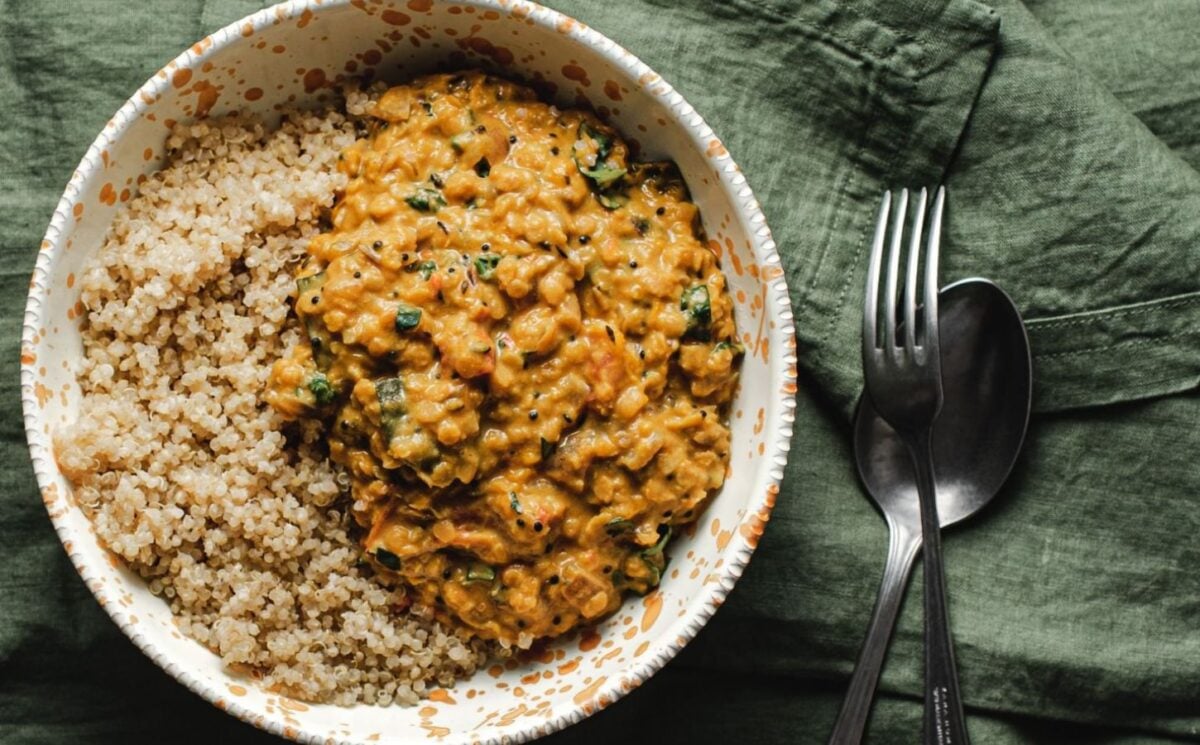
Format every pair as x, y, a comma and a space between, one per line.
987, 384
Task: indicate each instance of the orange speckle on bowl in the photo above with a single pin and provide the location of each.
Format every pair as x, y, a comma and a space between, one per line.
427, 711
480, 45
314, 79
124, 195
291, 704
630, 632
70, 280
715, 148
653, 603
569, 667
395, 17
612, 90
590, 641
28, 356
181, 77
587, 693
279, 49
436, 731
420, 6
305, 18
77, 210
441, 695
723, 539
247, 30
576, 73
108, 194
495, 671
372, 57
611, 655
236, 689
206, 97
253, 94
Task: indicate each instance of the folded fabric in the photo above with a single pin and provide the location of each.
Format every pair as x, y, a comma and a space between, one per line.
1068, 135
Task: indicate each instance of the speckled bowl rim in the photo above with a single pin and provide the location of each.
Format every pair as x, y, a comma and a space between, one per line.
782, 362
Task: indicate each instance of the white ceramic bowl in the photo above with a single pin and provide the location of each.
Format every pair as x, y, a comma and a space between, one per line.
289, 53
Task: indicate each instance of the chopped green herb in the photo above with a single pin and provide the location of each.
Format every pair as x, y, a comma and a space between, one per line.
310, 282
617, 526
485, 265
320, 340
483, 168
657, 549
604, 176
735, 348
480, 573
612, 200
602, 173
514, 502
697, 307
426, 268
387, 559
322, 391
642, 225
407, 317
390, 392
426, 200
603, 141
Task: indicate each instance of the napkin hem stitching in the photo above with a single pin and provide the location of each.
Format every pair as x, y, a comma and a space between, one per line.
1117, 345
1094, 316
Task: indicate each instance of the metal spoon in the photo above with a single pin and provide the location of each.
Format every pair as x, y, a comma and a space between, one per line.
987, 384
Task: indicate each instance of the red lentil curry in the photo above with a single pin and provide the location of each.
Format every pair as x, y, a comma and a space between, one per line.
523, 352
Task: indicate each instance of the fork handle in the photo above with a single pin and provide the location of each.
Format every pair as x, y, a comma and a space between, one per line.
944, 721
903, 546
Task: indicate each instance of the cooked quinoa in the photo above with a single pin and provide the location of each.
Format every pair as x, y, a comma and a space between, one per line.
235, 517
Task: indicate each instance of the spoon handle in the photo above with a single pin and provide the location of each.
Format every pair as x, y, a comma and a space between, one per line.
944, 721
903, 545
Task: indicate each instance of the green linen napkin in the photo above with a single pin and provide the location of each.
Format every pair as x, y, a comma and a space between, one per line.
1069, 136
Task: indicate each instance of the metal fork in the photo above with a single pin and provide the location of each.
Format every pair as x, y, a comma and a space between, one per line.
904, 381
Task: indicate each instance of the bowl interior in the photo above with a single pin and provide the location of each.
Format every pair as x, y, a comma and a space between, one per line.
294, 54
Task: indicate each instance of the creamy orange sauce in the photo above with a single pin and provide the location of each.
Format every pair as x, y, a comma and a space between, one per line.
523, 351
